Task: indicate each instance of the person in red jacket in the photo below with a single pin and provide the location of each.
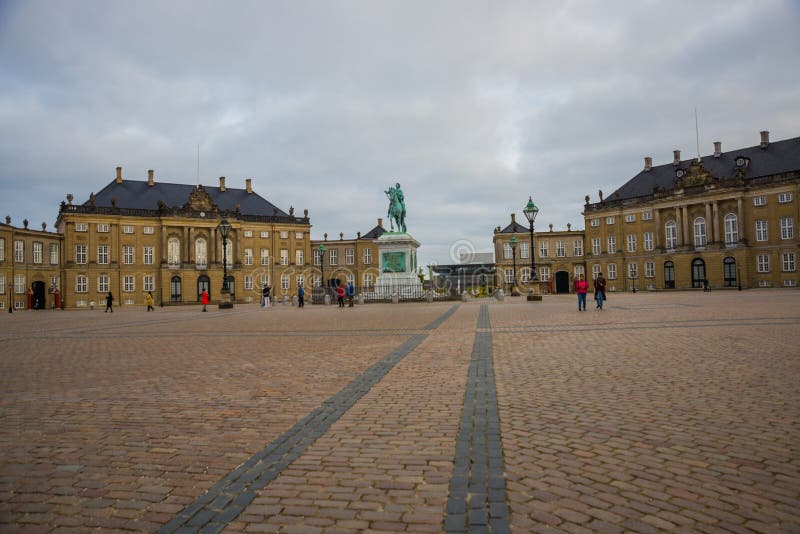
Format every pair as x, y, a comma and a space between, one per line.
340, 295
204, 299
581, 286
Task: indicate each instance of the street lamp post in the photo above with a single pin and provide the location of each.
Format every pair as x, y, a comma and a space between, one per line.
322, 250
513, 243
225, 294
531, 211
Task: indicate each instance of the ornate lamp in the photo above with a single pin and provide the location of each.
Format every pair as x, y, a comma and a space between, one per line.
322, 250
531, 211
513, 243
224, 228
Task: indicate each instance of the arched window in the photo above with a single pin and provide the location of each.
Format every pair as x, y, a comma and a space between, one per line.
175, 289
729, 272
228, 252
200, 253
698, 272
731, 229
669, 275
700, 238
671, 234
203, 283
174, 252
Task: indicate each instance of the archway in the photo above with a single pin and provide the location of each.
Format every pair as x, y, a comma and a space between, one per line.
729, 272
698, 272
562, 282
203, 283
669, 275
39, 301
175, 290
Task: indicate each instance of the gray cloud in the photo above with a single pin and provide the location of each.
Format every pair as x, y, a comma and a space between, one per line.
472, 106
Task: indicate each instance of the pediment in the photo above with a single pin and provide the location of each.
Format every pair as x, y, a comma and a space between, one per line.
200, 200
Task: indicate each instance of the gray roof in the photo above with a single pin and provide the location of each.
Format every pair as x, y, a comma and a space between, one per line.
139, 195
514, 228
375, 233
776, 158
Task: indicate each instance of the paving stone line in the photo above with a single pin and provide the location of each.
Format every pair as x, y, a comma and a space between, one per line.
227, 499
477, 499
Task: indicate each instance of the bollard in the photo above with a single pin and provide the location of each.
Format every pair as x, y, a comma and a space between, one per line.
499, 295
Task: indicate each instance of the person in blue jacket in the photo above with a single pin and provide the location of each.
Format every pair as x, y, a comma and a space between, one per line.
351, 292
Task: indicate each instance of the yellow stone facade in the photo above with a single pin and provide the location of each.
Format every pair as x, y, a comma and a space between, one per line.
349, 260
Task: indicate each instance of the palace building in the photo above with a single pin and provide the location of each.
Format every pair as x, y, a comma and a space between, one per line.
729, 218
135, 237
348, 260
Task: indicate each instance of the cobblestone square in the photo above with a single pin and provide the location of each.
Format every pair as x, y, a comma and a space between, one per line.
662, 412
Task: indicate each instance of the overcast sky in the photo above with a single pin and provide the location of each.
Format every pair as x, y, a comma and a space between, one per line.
472, 106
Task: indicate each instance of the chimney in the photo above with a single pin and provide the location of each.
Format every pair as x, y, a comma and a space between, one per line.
248, 185
569, 227
380, 222
717, 149
25, 223
119, 175
150, 181
764, 139
676, 157
513, 218
222, 183
648, 163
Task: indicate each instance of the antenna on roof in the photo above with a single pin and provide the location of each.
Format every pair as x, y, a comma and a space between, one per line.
198, 165
697, 133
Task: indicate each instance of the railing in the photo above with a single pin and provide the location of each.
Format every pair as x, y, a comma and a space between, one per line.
384, 293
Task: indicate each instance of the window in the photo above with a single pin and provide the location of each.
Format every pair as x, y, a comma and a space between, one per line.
19, 284
299, 258
700, 232
174, 252
264, 256
317, 257
787, 262
729, 272
148, 282
53, 254
148, 255
54, 282
248, 256
368, 279
2, 284
229, 253
248, 233
790, 283
596, 245
333, 256
649, 269
284, 234
284, 256
595, 270
102, 254
612, 271
298, 236
633, 270
631, 242
524, 251
544, 274
81, 285
509, 276
103, 283
248, 282
543, 249
595, 222
612, 244
783, 198
349, 256
762, 263
367, 256
19, 251
560, 249
147, 230
301, 280
648, 241
525, 275
761, 230
671, 234
128, 283
200, 253
647, 215
609, 220
760, 200
81, 227
37, 252
507, 252
264, 235
577, 247
127, 229
731, 229
127, 254
630, 217
579, 270
80, 254
102, 228
285, 282
2, 250
787, 227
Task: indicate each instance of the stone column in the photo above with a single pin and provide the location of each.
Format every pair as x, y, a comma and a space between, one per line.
679, 224
659, 229
715, 210
710, 225
685, 224
743, 229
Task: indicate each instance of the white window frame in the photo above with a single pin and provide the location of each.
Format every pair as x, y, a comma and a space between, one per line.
509, 276
2, 284
367, 256
762, 263
762, 230
103, 254
128, 283
612, 244
561, 249
299, 257
596, 246
507, 252
317, 257
127, 229
80, 254
630, 217
248, 282
594, 222
2, 249
19, 251
525, 275
368, 280
264, 235
298, 236
671, 234
128, 255
174, 251
647, 215
55, 257
81, 284
544, 273
612, 271
648, 241
760, 200
524, 250
785, 197
284, 256
633, 271
577, 248
788, 262
787, 227
333, 256
148, 282
631, 244
544, 245
610, 220
264, 256
103, 228
147, 230
285, 282
248, 256
38, 252
148, 255
19, 284
81, 227
284, 234
248, 233
731, 224
649, 269
349, 256
700, 232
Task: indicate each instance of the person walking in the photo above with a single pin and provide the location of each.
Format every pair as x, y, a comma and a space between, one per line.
148, 300
204, 299
301, 293
265, 296
340, 295
351, 292
581, 287
600, 290
109, 303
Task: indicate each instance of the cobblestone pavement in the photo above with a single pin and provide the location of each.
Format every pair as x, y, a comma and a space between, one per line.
662, 412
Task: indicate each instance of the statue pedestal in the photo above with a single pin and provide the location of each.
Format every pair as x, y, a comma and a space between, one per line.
398, 261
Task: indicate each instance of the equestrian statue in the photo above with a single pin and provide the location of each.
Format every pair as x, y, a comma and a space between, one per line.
397, 208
